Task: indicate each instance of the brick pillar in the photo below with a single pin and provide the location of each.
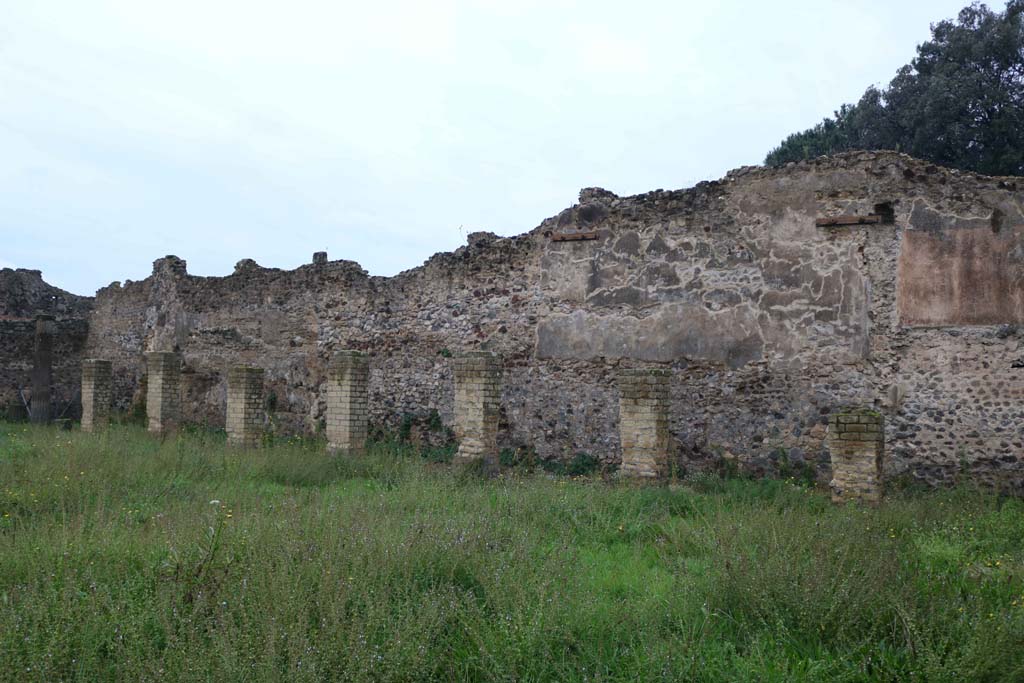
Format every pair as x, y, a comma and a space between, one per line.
42, 369
477, 407
162, 393
347, 380
245, 406
96, 393
643, 422
856, 444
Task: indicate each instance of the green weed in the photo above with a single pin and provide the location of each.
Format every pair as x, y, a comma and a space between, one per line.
124, 557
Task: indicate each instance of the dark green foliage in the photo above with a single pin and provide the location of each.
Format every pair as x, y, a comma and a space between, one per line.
423, 434
727, 468
135, 415
434, 423
522, 457
799, 471
959, 103
580, 465
439, 454
405, 428
124, 557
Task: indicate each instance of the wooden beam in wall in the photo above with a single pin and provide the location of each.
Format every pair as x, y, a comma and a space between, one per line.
573, 236
848, 220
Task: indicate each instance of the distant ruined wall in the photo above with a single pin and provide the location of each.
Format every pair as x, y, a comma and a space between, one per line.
766, 321
23, 296
17, 344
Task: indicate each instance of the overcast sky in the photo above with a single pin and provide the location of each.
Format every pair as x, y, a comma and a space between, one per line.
384, 131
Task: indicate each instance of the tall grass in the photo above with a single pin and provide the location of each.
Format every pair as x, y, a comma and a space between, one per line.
126, 558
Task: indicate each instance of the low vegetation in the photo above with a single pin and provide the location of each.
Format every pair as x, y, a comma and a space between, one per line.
126, 558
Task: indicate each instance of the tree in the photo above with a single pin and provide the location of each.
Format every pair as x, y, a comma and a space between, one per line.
959, 103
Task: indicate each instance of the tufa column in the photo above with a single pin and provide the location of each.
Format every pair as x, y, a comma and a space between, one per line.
162, 397
245, 406
42, 369
856, 445
347, 380
643, 422
96, 394
477, 407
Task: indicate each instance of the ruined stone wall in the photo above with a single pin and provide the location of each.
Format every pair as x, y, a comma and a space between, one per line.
17, 343
23, 296
765, 320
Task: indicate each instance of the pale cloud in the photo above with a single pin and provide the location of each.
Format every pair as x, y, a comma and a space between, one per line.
600, 49
384, 131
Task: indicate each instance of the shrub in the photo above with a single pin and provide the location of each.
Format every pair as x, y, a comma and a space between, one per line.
581, 464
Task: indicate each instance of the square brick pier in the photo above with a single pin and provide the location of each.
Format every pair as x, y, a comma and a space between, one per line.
477, 407
347, 379
244, 422
856, 445
163, 401
96, 394
643, 422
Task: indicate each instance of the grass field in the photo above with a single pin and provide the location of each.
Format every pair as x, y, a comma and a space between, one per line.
124, 558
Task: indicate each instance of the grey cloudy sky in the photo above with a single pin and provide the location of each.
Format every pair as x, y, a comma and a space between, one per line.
386, 131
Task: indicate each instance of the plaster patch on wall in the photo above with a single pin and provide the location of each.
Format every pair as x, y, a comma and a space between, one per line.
966, 276
675, 331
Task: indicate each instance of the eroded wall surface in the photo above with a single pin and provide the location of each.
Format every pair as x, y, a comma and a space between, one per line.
23, 296
767, 321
